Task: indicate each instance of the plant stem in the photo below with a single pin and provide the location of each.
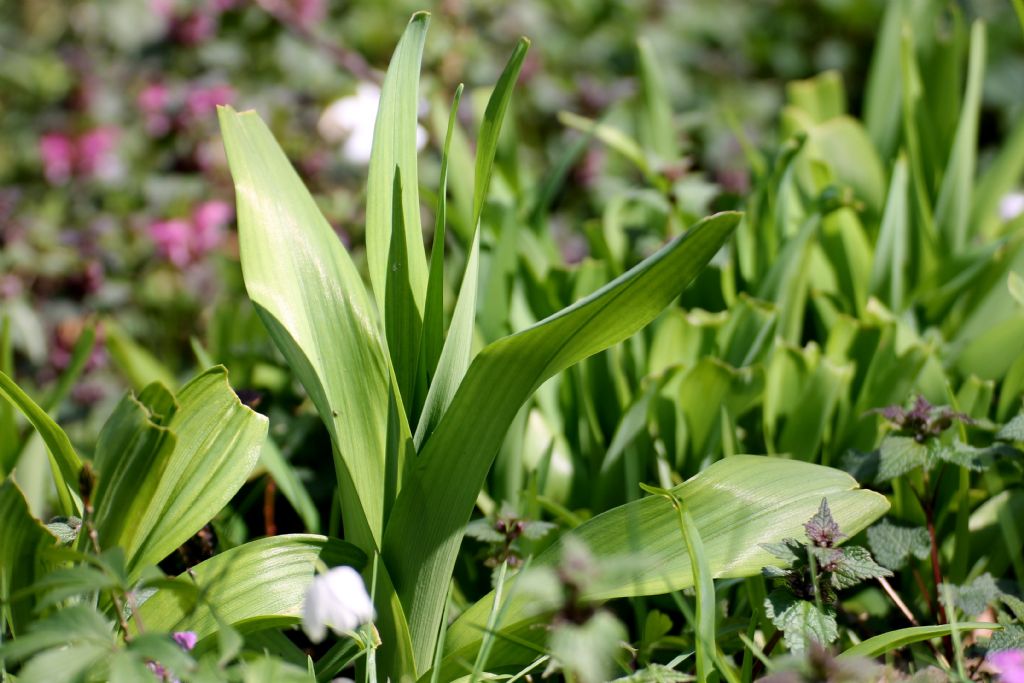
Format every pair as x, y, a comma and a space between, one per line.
767, 650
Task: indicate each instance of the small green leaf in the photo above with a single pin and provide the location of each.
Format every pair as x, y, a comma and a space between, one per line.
854, 565
894, 545
800, 620
899, 455
972, 598
1012, 430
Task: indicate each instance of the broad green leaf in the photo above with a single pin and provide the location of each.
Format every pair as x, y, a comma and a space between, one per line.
22, 540
315, 306
894, 640
131, 455
64, 461
254, 586
425, 530
394, 150
894, 545
218, 442
457, 351
952, 210
737, 505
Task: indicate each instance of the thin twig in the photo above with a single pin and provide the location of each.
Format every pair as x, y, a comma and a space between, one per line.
269, 525
894, 596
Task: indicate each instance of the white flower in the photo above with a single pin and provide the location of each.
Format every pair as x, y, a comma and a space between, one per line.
349, 121
1011, 205
337, 600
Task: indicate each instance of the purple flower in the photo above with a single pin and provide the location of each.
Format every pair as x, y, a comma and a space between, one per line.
309, 12
173, 239
186, 639
195, 28
1010, 664
58, 154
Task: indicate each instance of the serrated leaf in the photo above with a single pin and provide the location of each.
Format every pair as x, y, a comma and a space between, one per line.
963, 455
893, 545
800, 620
64, 528
1012, 430
1016, 606
899, 455
483, 530
822, 529
854, 565
1010, 637
972, 598
786, 550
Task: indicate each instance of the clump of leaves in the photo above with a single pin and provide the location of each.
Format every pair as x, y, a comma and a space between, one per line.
802, 605
919, 439
503, 534
922, 420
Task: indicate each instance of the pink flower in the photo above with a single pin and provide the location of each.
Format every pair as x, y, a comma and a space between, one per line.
153, 101
1010, 664
58, 153
95, 151
309, 12
91, 154
173, 239
186, 639
203, 101
208, 222
196, 28
183, 242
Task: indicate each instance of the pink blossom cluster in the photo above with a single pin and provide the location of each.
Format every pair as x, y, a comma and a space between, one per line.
161, 109
1009, 664
184, 241
91, 154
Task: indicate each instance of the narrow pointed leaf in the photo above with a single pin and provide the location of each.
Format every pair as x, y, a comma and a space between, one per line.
425, 530
402, 321
394, 148
64, 461
432, 335
953, 208
894, 640
458, 347
314, 304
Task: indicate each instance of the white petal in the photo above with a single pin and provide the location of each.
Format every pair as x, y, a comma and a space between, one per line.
1011, 205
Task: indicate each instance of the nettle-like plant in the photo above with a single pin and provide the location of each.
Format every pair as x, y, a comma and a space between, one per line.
416, 415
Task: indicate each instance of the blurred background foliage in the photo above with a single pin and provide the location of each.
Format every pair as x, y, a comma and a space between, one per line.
116, 206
